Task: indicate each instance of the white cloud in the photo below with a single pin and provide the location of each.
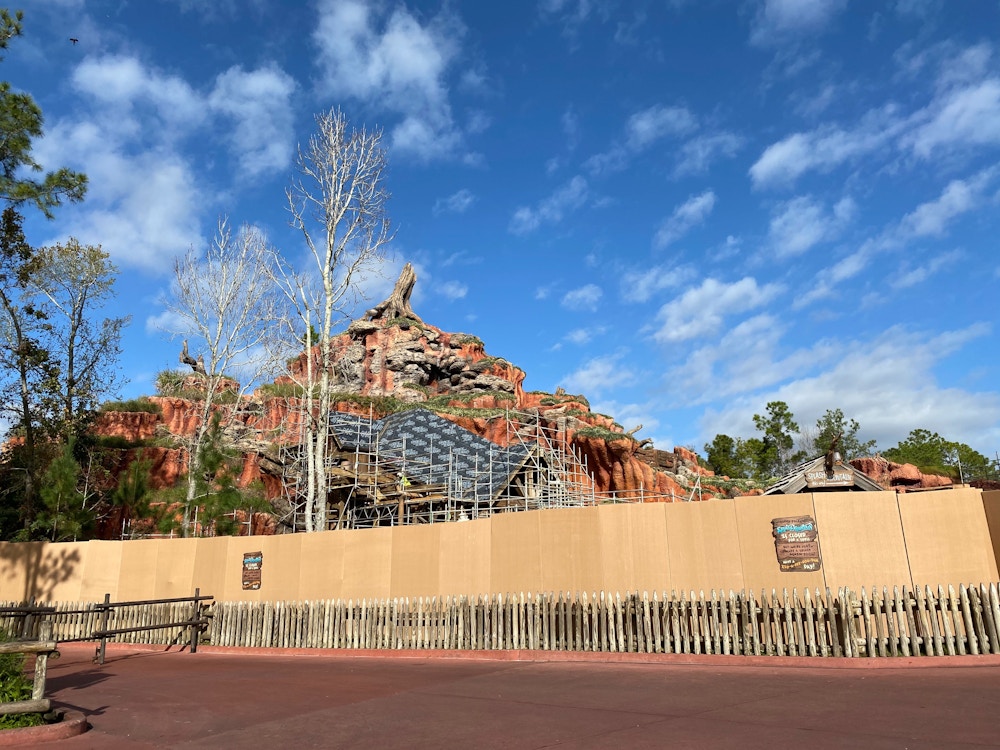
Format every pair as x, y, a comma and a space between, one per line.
932, 218
259, 103
822, 150
551, 210
711, 372
783, 20
571, 128
396, 64
639, 285
642, 130
961, 116
686, 216
967, 117
581, 336
145, 199
888, 385
929, 219
453, 290
701, 311
122, 85
697, 155
584, 298
456, 203
803, 222
645, 128
143, 206
918, 274
599, 375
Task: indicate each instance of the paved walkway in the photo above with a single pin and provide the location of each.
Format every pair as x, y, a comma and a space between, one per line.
146, 699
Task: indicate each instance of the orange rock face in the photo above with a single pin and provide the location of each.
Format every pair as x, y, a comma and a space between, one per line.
132, 426
898, 476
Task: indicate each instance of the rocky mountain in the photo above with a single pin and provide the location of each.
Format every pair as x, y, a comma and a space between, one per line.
392, 360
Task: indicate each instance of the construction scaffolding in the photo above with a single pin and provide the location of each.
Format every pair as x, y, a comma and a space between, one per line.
417, 467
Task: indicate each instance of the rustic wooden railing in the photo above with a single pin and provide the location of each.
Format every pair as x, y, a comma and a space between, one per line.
184, 619
922, 621
43, 648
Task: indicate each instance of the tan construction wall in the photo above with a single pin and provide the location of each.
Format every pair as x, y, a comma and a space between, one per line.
935, 538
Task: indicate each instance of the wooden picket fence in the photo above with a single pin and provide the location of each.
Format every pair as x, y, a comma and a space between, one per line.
875, 623
880, 623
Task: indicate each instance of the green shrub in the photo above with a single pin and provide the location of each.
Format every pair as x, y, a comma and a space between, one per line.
15, 686
381, 406
491, 412
169, 382
416, 387
281, 390
405, 323
464, 338
602, 433
464, 398
141, 404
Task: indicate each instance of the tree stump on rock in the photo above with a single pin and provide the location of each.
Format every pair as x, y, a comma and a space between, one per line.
397, 305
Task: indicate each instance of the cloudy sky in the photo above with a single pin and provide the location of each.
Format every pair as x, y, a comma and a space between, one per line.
683, 209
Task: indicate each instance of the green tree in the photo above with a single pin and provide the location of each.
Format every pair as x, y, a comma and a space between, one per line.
834, 423
20, 123
26, 365
24, 183
729, 457
63, 515
218, 498
933, 454
773, 453
131, 495
924, 449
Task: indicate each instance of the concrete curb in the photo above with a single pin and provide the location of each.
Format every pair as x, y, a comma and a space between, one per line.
73, 723
591, 657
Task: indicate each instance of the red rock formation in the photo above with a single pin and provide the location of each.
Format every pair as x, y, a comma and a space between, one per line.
132, 426
898, 477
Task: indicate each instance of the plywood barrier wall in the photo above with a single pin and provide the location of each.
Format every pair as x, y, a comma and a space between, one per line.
947, 537
865, 539
862, 540
991, 504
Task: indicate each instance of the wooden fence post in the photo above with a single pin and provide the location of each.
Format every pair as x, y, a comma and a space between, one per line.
196, 621
105, 614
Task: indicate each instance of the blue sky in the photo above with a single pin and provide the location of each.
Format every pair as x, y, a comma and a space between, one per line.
682, 209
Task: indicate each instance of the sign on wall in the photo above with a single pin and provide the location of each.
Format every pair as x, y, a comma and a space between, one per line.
796, 543
251, 570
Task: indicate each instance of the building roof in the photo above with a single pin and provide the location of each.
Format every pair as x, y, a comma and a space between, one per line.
811, 476
428, 449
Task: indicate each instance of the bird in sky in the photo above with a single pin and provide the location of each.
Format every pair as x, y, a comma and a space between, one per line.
74, 40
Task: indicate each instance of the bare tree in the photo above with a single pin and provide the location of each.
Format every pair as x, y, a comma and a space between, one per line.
224, 303
338, 202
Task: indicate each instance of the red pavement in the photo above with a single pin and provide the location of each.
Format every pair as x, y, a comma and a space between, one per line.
144, 699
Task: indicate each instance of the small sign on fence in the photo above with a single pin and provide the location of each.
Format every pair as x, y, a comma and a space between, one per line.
251, 570
796, 542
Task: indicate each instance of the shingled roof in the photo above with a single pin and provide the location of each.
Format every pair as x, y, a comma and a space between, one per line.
427, 449
811, 476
